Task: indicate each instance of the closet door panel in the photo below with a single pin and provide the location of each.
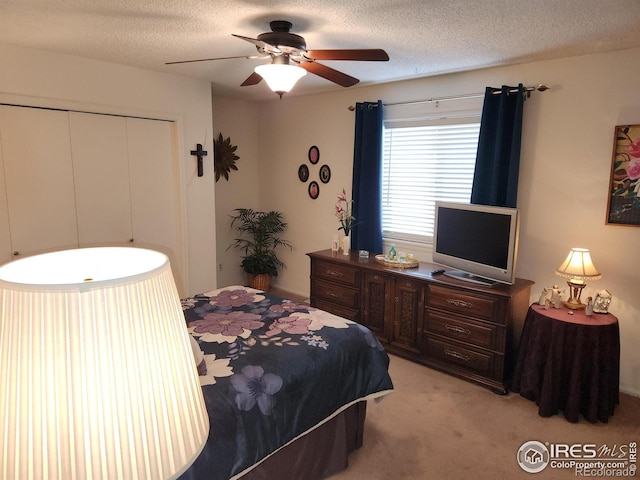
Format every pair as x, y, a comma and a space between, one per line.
155, 202
101, 177
39, 179
5, 235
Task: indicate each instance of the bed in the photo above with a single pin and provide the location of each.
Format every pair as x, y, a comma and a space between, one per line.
285, 385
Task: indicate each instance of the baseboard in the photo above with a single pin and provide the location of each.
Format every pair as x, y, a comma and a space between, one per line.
289, 295
628, 391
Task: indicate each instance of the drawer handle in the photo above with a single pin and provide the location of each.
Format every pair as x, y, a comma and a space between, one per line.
457, 329
459, 303
334, 295
334, 273
454, 354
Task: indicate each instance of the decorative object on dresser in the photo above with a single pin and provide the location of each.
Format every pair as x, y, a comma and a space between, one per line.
260, 239
346, 245
335, 244
407, 262
97, 367
465, 329
343, 210
577, 267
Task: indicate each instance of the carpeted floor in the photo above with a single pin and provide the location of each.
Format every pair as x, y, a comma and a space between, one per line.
434, 426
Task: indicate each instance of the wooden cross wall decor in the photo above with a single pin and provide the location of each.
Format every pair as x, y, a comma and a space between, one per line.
199, 152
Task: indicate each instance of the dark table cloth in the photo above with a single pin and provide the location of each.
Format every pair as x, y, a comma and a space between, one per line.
569, 363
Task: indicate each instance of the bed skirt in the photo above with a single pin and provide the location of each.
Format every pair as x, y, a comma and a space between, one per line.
320, 453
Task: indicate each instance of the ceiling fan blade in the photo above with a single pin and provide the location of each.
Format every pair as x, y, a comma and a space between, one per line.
260, 44
369, 55
248, 57
252, 79
329, 73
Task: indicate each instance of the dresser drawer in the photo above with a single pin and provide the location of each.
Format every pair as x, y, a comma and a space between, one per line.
486, 335
335, 293
466, 303
335, 272
339, 310
486, 363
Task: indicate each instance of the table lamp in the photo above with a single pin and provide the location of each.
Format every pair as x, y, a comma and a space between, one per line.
97, 372
577, 267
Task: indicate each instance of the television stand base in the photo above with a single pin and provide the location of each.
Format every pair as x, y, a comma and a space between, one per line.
467, 277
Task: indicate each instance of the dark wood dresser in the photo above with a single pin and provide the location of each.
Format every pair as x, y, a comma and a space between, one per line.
461, 328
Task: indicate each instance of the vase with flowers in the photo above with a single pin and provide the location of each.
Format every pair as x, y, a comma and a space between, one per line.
346, 219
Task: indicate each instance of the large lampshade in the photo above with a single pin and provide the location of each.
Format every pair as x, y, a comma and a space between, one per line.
280, 77
97, 372
577, 267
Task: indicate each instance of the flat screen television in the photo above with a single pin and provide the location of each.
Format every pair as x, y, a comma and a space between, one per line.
479, 242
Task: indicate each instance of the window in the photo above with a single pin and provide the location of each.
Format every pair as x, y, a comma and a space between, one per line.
424, 161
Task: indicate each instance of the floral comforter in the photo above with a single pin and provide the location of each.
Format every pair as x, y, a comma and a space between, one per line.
274, 370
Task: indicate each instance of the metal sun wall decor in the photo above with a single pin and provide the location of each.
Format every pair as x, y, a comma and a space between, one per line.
224, 159
313, 155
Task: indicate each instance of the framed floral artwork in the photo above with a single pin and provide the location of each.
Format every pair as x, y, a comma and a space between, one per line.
303, 173
314, 154
624, 186
325, 174
314, 190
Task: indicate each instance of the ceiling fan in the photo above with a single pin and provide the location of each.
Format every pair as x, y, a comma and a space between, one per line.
290, 59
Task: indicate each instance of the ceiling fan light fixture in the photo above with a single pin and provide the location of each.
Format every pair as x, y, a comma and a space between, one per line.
280, 77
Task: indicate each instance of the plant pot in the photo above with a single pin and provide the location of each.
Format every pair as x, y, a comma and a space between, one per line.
259, 281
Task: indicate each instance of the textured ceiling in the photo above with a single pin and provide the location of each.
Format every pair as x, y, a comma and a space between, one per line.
422, 37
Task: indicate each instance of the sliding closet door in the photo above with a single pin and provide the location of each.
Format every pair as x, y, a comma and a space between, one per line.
155, 202
39, 179
101, 177
82, 179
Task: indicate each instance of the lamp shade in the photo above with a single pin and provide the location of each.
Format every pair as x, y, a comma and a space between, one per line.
578, 265
96, 367
280, 77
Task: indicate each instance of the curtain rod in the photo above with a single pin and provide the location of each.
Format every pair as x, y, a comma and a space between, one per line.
540, 88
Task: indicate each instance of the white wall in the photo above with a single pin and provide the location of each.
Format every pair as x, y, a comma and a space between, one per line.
564, 180
32, 77
236, 120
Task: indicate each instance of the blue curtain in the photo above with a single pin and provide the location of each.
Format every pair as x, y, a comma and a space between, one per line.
367, 178
495, 181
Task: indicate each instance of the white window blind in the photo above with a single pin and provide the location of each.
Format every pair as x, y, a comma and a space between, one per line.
424, 161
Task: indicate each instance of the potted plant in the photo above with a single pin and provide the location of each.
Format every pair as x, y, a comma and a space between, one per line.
260, 237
